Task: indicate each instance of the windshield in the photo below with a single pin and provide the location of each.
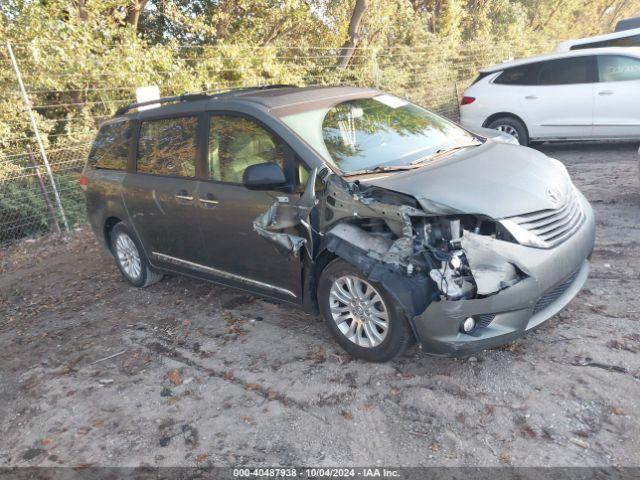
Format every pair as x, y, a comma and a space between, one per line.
382, 131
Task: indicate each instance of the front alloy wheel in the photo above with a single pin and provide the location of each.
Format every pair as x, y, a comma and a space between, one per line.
359, 311
362, 316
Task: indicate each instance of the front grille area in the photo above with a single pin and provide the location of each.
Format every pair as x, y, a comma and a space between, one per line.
553, 226
554, 293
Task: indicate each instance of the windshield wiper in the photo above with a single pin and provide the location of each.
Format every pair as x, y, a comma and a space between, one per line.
442, 151
412, 165
381, 168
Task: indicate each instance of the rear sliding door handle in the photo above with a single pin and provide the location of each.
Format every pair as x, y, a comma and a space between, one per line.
184, 195
605, 92
531, 97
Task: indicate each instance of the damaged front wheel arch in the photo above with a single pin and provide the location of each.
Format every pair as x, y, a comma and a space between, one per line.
399, 334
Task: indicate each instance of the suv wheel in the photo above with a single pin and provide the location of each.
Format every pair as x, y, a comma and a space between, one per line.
361, 315
130, 258
511, 126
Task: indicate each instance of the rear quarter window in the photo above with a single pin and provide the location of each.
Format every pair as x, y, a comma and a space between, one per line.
480, 76
521, 75
110, 149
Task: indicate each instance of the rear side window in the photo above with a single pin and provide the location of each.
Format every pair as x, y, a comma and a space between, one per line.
564, 71
111, 147
480, 77
168, 146
522, 75
617, 68
631, 41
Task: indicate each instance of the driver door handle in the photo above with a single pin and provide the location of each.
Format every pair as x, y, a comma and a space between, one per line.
531, 97
208, 199
605, 92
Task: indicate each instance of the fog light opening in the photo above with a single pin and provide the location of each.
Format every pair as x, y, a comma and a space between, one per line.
468, 325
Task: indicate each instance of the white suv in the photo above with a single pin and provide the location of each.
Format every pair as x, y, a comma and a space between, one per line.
576, 95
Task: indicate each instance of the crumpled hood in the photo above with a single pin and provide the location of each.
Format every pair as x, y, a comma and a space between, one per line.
494, 179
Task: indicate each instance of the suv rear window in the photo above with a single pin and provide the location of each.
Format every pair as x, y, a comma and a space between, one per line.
168, 146
563, 71
110, 149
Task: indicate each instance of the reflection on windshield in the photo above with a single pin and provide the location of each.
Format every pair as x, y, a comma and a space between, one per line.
367, 133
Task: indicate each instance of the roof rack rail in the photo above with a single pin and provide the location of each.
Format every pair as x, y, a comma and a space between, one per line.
185, 97
192, 97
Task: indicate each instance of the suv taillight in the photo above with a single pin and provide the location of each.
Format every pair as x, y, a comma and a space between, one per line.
467, 100
84, 181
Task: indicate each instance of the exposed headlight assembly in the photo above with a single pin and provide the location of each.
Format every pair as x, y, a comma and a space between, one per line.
522, 235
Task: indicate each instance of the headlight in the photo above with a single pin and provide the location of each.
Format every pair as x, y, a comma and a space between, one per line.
522, 235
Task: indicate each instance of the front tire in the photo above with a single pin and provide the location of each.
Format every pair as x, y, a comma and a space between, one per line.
511, 126
130, 258
363, 318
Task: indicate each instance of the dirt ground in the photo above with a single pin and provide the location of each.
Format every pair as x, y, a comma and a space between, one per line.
204, 375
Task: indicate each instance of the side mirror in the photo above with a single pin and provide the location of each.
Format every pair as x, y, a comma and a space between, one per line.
264, 176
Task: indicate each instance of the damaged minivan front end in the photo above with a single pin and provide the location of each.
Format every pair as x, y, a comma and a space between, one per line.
477, 241
463, 280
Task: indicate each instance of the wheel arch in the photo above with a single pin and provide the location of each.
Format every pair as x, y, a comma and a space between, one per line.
412, 294
310, 281
107, 228
495, 116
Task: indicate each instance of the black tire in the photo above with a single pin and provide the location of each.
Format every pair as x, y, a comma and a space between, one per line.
398, 334
503, 123
145, 276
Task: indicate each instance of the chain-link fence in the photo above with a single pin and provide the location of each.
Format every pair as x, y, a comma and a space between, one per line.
68, 105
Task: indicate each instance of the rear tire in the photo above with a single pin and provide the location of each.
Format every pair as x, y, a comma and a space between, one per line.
130, 257
511, 126
363, 318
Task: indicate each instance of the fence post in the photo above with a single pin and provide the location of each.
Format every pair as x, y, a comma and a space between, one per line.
43, 190
27, 104
457, 98
375, 68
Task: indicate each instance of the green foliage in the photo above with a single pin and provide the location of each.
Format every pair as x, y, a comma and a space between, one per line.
81, 60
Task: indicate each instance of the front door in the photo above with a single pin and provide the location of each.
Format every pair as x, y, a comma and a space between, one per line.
235, 252
160, 195
617, 99
559, 104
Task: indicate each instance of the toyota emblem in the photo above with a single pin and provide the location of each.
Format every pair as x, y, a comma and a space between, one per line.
554, 194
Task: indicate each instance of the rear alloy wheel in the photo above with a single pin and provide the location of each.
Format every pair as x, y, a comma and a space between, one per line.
129, 257
511, 126
362, 316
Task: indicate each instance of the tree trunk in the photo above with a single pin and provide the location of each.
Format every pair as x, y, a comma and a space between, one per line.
82, 10
274, 32
354, 24
133, 12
